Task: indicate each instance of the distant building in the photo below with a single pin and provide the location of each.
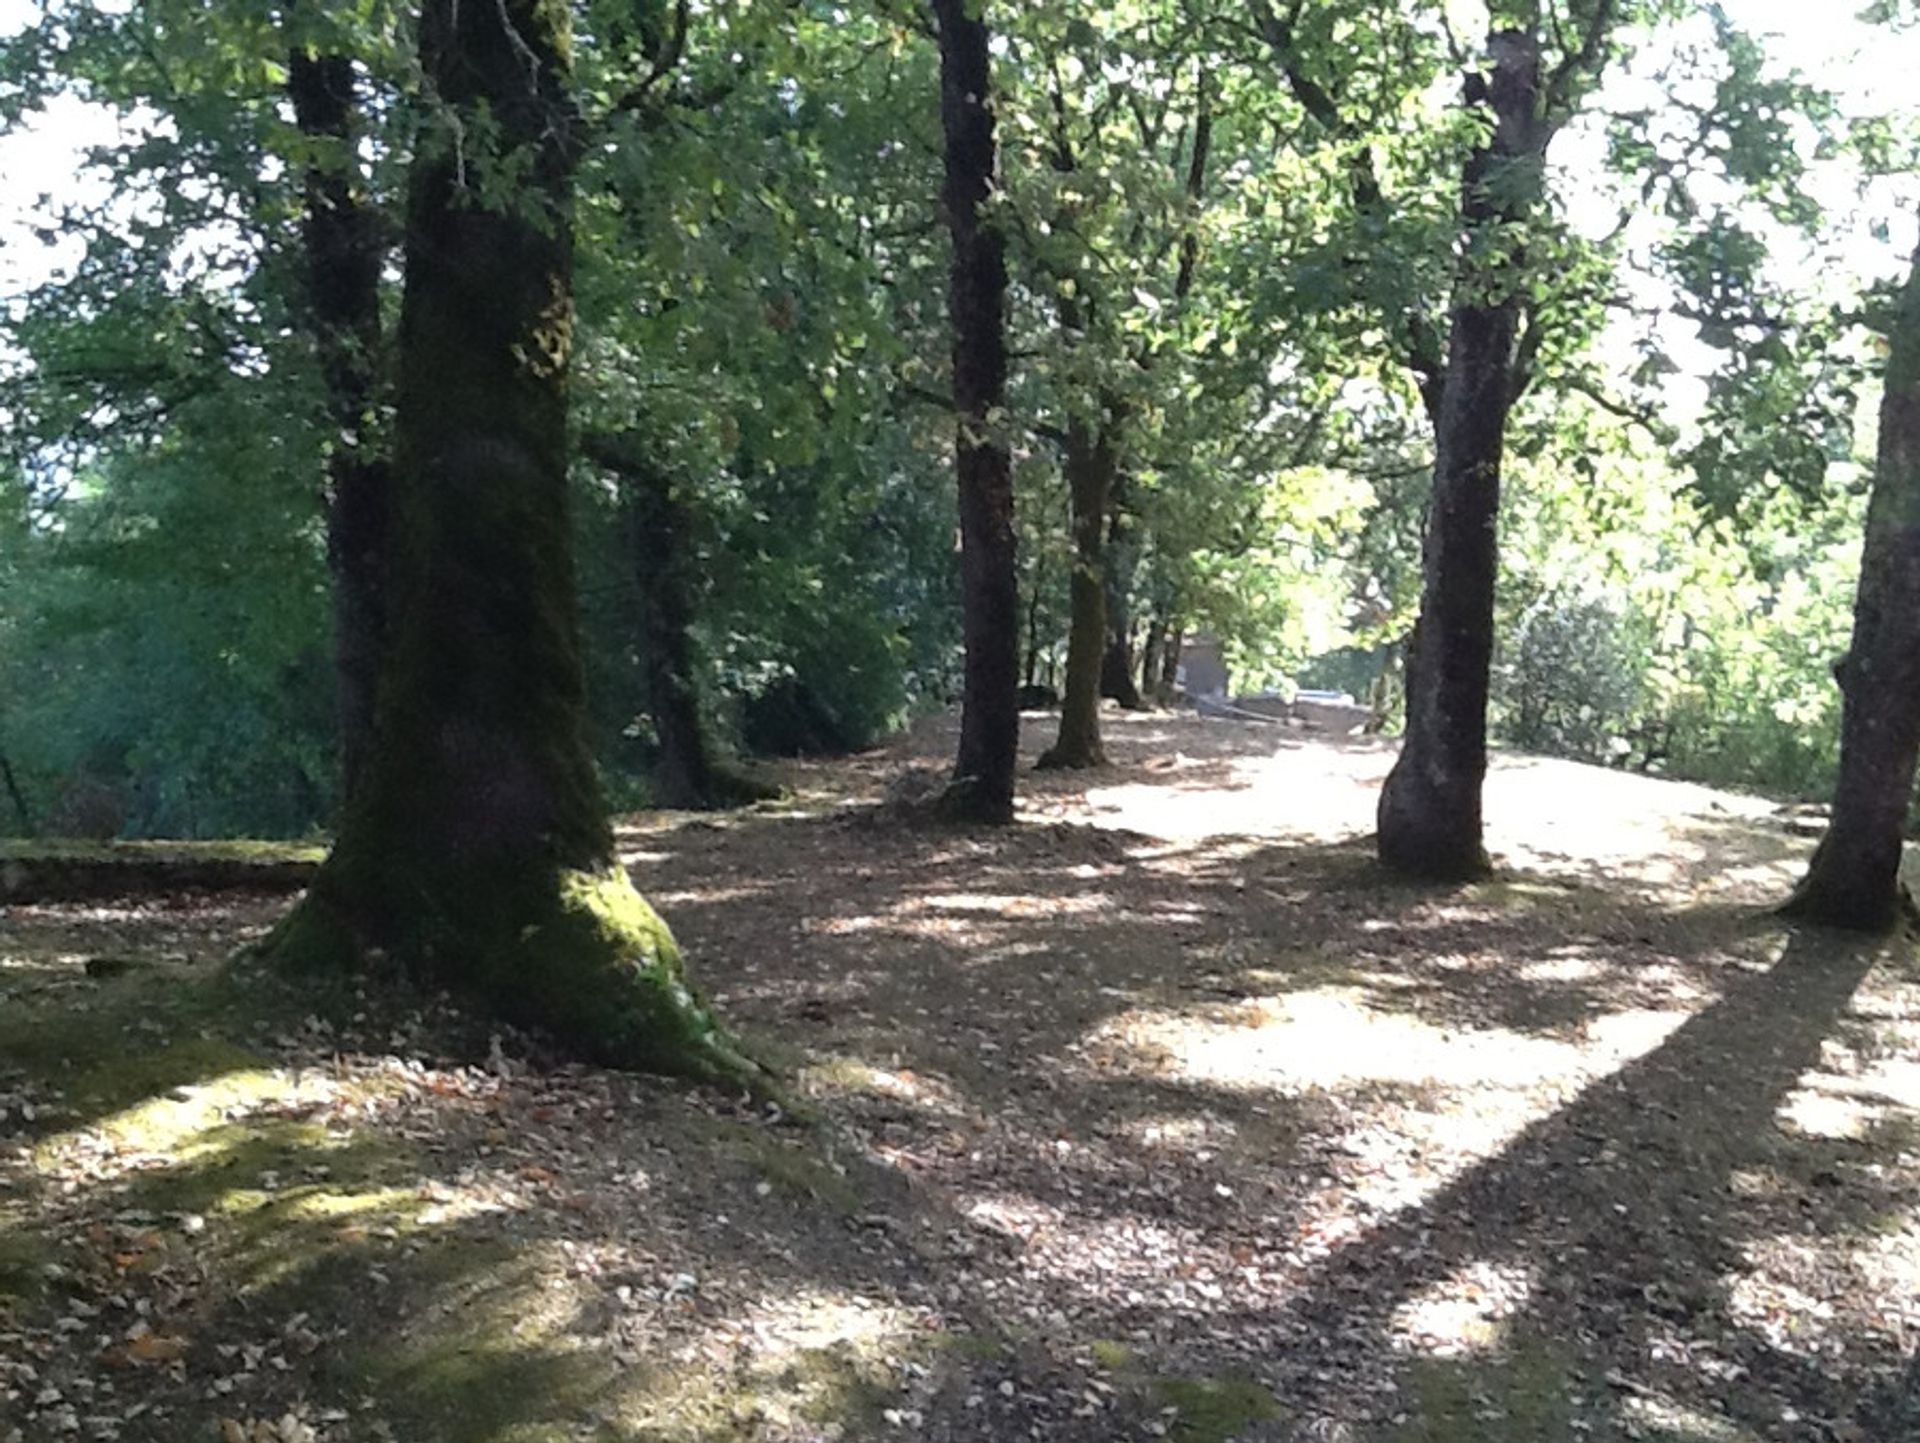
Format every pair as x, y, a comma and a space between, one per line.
1203, 668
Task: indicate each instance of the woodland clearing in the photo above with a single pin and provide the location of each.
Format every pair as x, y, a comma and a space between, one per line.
1163, 1114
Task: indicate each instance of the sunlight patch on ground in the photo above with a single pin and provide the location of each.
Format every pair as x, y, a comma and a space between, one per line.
970, 918
1762, 1301
811, 1364
1239, 798
1332, 1039
1654, 1415
1623, 1036
1000, 904
1463, 1314
709, 896
1568, 967
187, 1125
844, 1075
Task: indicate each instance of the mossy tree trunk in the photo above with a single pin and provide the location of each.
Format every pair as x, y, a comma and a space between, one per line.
983, 773
1854, 880
1430, 807
1090, 467
345, 251
476, 849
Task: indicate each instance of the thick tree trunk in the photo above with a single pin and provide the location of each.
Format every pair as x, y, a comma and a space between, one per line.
344, 254
476, 849
1122, 560
1429, 815
1090, 466
982, 787
1854, 880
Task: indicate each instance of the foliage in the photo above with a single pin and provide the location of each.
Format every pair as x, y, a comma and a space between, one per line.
761, 296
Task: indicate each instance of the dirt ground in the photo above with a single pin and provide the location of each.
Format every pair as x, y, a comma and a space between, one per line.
1161, 1115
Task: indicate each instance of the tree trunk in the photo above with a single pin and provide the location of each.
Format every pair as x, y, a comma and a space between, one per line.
344, 254
1151, 650
1122, 559
1170, 662
1854, 880
982, 786
1032, 670
659, 529
1429, 815
476, 850
20, 811
1090, 465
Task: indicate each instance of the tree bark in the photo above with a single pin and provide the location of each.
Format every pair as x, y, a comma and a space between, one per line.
1032, 669
476, 850
1122, 559
1854, 880
1169, 682
1430, 812
344, 255
1090, 466
20, 811
983, 773
1152, 647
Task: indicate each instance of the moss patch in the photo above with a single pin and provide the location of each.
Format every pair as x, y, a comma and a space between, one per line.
792, 1169
68, 871
1518, 1395
1212, 1410
24, 1256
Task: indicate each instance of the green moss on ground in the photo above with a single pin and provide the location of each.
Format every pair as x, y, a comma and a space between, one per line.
1519, 1394
792, 1169
63, 870
240, 849
1212, 1410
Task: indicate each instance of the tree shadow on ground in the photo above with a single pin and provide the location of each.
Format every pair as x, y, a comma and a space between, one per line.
1623, 1260
1100, 1108
1625, 1216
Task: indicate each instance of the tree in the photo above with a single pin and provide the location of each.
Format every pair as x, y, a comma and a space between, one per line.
345, 251
1429, 815
477, 849
656, 525
982, 788
1854, 879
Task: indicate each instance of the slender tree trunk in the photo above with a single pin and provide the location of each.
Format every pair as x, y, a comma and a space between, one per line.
1854, 880
1150, 652
1090, 465
476, 849
20, 812
1170, 661
982, 787
659, 528
344, 253
1033, 618
1429, 816
1122, 560
684, 774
